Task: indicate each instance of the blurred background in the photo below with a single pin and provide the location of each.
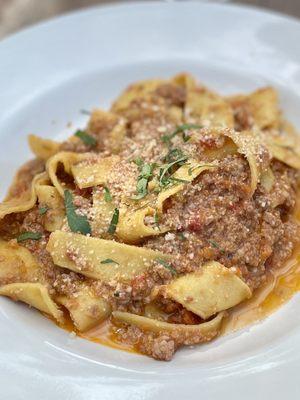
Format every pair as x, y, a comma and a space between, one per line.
16, 14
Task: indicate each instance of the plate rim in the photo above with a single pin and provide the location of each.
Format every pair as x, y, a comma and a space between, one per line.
111, 8
117, 4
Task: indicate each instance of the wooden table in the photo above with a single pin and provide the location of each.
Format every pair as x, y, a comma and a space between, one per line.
16, 14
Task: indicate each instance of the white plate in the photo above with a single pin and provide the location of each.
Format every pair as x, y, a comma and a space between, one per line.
47, 74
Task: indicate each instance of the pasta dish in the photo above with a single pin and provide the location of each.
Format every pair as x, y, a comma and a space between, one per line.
166, 221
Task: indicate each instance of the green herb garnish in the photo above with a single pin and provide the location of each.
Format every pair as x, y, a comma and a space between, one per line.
109, 261
192, 169
86, 138
165, 178
178, 180
29, 236
107, 195
138, 161
181, 236
180, 129
216, 245
167, 265
156, 220
77, 223
173, 155
114, 221
43, 210
143, 179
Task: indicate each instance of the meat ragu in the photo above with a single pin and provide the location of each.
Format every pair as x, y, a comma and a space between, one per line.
162, 223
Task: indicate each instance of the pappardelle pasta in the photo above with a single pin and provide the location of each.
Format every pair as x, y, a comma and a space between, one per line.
161, 223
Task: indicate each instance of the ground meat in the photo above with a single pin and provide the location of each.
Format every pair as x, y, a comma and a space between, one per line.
145, 140
100, 126
161, 348
221, 222
33, 222
134, 295
67, 283
24, 177
174, 94
10, 225
243, 118
214, 217
75, 146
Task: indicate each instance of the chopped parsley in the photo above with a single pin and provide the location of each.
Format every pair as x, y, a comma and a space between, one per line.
173, 155
109, 261
156, 220
167, 265
192, 169
138, 161
181, 236
180, 129
43, 210
216, 245
165, 178
114, 221
77, 223
29, 236
107, 195
86, 138
146, 171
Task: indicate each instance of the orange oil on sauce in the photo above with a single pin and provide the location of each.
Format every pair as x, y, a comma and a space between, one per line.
281, 285
104, 334
101, 334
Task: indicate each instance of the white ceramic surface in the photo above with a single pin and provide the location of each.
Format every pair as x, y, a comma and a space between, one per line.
47, 74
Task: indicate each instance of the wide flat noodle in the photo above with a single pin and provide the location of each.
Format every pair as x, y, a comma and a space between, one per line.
132, 227
93, 173
142, 100
34, 294
136, 91
259, 109
101, 213
251, 145
24, 202
207, 108
49, 197
65, 159
16, 263
187, 172
285, 146
184, 333
109, 128
154, 312
206, 292
84, 254
43, 148
267, 180
185, 80
264, 107
86, 310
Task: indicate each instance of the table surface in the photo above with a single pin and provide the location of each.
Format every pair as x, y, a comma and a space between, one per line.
16, 14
